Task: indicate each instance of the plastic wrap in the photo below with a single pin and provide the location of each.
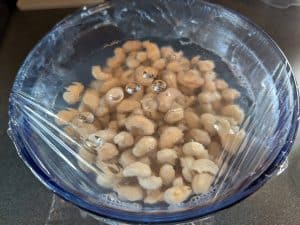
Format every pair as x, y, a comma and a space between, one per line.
244, 55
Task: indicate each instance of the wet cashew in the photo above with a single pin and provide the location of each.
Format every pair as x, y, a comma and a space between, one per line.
205, 166
167, 155
195, 149
170, 79
107, 135
107, 152
145, 160
114, 96
128, 105
145, 145
208, 121
130, 193
200, 136
137, 169
165, 99
170, 136
214, 150
159, 64
187, 174
105, 180
201, 183
108, 84
174, 66
230, 94
98, 74
65, 116
123, 139
141, 56
235, 112
206, 65
132, 45
145, 75
113, 125
102, 108
177, 194
221, 84
209, 86
127, 158
139, 124
191, 118
73, 93
152, 49
150, 183
91, 99
132, 62
190, 79
117, 59
178, 181
121, 118
153, 196
167, 174
174, 114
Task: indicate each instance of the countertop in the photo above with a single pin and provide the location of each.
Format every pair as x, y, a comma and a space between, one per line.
25, 201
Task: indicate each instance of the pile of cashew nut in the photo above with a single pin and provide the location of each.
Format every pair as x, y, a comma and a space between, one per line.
154, 122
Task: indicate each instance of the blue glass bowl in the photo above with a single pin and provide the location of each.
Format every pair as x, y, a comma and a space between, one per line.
245, 56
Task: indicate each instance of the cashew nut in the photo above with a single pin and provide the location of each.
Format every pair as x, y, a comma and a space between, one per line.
132, 45
200, 136
174, 114
191, 118
208, 121
170, 79
221, 84
205, 166
107, 152
91, 99
150, 183
191, 79
152, 50
127, 158
145, 145
206, 65
177, 194
178, 181
145, 75
202, 182
107, 135
153, 196
99, 74
230, 94
235, 112
139, 124
165, 99
167, 174
128, 105
73, 93
123, 140
130, 193
114, 96
195, 149
117, 59
170, 136
159, 64
137, 169
167, 155
65, 116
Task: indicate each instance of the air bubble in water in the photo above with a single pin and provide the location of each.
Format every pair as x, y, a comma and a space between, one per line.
159, 86
132, 88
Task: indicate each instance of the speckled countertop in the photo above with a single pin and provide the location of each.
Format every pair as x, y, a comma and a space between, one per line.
25, 201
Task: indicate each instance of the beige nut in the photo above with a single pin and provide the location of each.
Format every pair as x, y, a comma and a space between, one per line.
132, 62
165, 99
209, 86
113, 125
132, 45
121, 118
170, 78
167, 52
170, 136
230, 94
117, 59
91, 99
107, 152
202, 182
191, 79
127, 158
153, 196
205, 166
187, 174
73, 93
214, 150
167, 155
152, 50
206, 65
200, 136
137, 169
99, 74
128, 105
123, 139
209, 75
150, 183
187, 162
221, 84
86, 155
102, 108
65, 116
167, 174
159, 64
130, 193
191, 118
145, 160
174, 114
206, 108
141, 56
140, 125
195, 149
145, 145
208, 121
114, 96
178, 181
174, 66
177, 194
235, 112
107, 135
108, 84
105, 180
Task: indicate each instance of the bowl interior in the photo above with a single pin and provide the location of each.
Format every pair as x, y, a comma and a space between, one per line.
245, 57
